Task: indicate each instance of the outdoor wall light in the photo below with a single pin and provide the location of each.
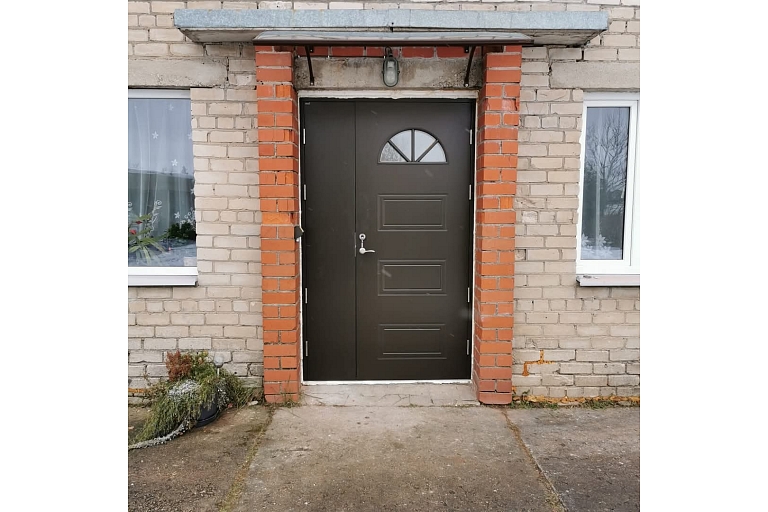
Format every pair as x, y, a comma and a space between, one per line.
218, 362
391, 70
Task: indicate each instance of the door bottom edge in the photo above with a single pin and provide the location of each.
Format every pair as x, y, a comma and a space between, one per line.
374, 382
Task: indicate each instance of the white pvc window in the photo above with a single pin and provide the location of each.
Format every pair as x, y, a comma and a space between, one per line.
161, 202
609, 217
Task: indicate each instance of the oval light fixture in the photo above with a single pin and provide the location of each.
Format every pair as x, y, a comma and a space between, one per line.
390, 72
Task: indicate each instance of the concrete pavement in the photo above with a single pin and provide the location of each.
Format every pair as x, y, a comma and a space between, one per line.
405, 447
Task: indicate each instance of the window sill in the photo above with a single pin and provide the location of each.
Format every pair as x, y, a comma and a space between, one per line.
162, 276
608, 279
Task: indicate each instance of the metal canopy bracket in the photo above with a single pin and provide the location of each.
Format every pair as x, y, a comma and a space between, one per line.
469, 66
308, 50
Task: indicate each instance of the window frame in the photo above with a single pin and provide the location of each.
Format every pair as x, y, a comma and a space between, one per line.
599, 272
161, 276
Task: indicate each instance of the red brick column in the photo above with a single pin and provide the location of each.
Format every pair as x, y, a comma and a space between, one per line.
498, 119
278, 128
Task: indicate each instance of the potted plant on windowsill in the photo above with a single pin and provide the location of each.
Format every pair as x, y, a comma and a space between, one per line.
194, 394
141, 246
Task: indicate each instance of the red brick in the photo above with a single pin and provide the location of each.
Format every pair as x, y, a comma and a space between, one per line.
495, 295
452, 51
265, 91
488, 174
279, 324
271, 312
496, 189
497, 270
498, 134
317, 51
487, 360
278, 270
487, 203
278, 190
289, 362
282, 59
279, 375
274, 74
491, 347
496, 321
271, 362
269, 284
275, 135
509, 147
504, 386
491, 91
280, 350
275, 106
495, 373
494, 398
348, 51
486, 385
284, 232
511, 91
279, 298
418, 51
286, 120
503, 60
500, 104
497, 217
502, 76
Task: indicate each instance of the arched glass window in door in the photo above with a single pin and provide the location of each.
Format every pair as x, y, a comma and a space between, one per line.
414, 146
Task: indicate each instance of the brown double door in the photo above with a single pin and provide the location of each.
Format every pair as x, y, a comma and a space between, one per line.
387, 219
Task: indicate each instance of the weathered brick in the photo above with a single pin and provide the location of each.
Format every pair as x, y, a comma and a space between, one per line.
609, 368
623, 380
575, 368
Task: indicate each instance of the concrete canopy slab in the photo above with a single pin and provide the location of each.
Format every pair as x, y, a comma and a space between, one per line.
543, 27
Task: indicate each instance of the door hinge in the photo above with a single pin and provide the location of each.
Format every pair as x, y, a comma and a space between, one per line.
470, 137
306, 348
467, 347
306, 295
305, 191
303, 135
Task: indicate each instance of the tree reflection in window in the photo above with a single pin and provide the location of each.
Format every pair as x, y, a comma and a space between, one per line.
412, 146
605, 183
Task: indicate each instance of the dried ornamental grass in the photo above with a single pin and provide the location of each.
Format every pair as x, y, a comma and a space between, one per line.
193, 383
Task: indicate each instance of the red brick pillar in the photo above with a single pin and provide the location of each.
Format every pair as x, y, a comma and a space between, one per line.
278, 127
498, 119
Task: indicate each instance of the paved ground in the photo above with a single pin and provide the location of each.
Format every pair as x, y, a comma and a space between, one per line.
386, 453
196, 471
592, 457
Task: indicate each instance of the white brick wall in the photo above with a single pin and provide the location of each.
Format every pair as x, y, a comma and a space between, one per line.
223, 313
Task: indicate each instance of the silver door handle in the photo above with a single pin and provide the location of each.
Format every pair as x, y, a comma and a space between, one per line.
362, 249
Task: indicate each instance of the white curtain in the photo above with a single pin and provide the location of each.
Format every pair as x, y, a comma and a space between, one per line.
160, 173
